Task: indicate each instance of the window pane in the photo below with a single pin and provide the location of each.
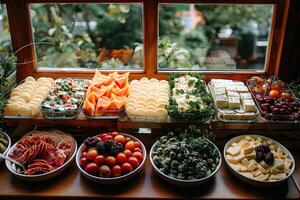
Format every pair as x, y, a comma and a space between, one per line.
105, 36
5, 40
213, 36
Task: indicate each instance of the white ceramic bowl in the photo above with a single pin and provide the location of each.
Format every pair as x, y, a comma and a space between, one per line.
253, 181
8, 146
40, 177
112, 180
185, 183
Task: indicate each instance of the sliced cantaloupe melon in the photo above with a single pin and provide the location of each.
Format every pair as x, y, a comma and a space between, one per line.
117, 104
88, 108
91, 98
103, 104
119, 91
122, 80
108, 89
107, 80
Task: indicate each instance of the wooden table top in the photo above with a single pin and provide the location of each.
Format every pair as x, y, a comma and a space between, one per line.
146, 185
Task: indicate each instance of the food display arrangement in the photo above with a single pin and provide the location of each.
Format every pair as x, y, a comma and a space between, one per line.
233, 100
65, 99
189, 98
275, 100
185, 159
148, 100
111, 157
44, 154
25, 100
258, 160
106, 96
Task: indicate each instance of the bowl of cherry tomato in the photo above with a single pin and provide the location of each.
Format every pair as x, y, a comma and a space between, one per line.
111, 158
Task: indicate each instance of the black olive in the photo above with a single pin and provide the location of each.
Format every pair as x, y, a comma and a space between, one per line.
259, 156
269, 158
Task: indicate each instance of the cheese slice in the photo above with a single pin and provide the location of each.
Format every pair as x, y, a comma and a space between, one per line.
246, 162
251, 155
262, 177
278, 163
252, 166
233, 150
277, 176
257, 172
246, 147
274, 170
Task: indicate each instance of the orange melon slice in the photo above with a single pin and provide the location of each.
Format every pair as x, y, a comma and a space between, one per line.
108, 89
119, 91
117, 104
102, 104
107, 80
88, 107
122, 79
92, 99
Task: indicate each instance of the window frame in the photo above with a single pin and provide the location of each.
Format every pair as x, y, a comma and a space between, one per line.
21, 35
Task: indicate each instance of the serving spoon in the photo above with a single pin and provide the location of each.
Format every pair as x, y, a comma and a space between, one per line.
13, 161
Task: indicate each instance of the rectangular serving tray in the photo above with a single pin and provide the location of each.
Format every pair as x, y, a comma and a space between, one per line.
218, 111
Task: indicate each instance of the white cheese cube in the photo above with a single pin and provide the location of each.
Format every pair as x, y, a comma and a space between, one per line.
234, 102
248, 105
219, 91
245, 96
232, 94
222, 101
241, 89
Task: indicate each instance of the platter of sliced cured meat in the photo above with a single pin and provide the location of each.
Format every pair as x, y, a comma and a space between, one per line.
44, 154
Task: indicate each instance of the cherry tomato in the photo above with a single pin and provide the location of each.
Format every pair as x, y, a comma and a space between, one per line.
134, 161
138, 155
114, 134
127, 139
276, 87
116, 170
91, 168
108, 137
127, 152
99, 160
83, 162
121, 158
137, 149
137, 144
110, 160
126, 168
92, 154
83, 155
286, 95
274, 94
104, 171
120, 139
130, 145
